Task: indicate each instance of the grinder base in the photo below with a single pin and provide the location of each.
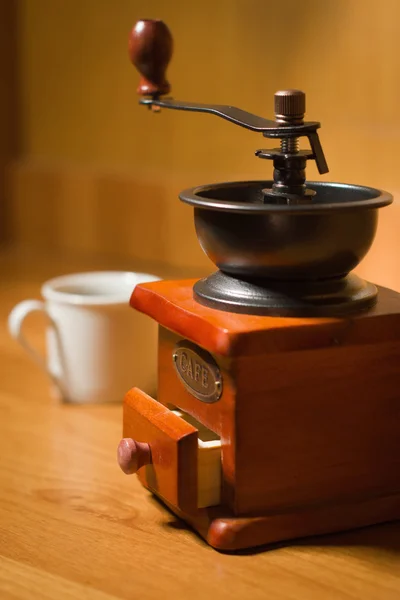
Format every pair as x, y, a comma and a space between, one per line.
307, 418
330, 297
226, 532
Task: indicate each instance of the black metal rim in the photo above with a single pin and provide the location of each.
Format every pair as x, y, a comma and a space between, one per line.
193, 197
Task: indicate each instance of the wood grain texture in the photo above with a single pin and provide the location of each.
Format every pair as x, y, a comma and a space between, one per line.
172, 473
228, 532
209, 475
208, 464
73, 526
232, 533
309, 413
9, 108
171, 304
324, 427
217, 416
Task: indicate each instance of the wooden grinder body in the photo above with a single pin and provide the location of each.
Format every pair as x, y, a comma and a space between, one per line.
308, 418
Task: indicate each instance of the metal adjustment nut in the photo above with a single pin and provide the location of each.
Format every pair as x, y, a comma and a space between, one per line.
290, 106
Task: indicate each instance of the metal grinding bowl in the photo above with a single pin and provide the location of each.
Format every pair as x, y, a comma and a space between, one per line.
245, 237
285, 259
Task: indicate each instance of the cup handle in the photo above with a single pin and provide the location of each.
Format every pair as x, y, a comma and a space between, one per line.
16, 319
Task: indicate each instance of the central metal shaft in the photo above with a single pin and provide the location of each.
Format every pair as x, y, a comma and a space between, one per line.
289, 170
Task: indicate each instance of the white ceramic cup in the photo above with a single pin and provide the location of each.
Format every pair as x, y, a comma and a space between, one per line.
97, 346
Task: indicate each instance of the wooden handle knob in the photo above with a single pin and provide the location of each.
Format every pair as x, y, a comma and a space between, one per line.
150, 50
133, 455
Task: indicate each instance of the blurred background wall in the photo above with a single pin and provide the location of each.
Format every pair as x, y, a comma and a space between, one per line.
94, 173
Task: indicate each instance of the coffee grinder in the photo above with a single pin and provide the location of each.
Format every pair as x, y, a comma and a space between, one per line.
278, 405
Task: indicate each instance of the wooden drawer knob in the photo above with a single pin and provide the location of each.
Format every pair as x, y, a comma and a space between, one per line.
133, 455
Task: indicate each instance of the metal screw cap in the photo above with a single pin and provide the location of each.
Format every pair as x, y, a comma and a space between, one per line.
290, 106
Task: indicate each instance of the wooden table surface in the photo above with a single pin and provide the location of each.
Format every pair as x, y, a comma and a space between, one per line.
72, 526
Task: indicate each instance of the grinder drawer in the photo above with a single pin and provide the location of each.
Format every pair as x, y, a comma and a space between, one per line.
184, 458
